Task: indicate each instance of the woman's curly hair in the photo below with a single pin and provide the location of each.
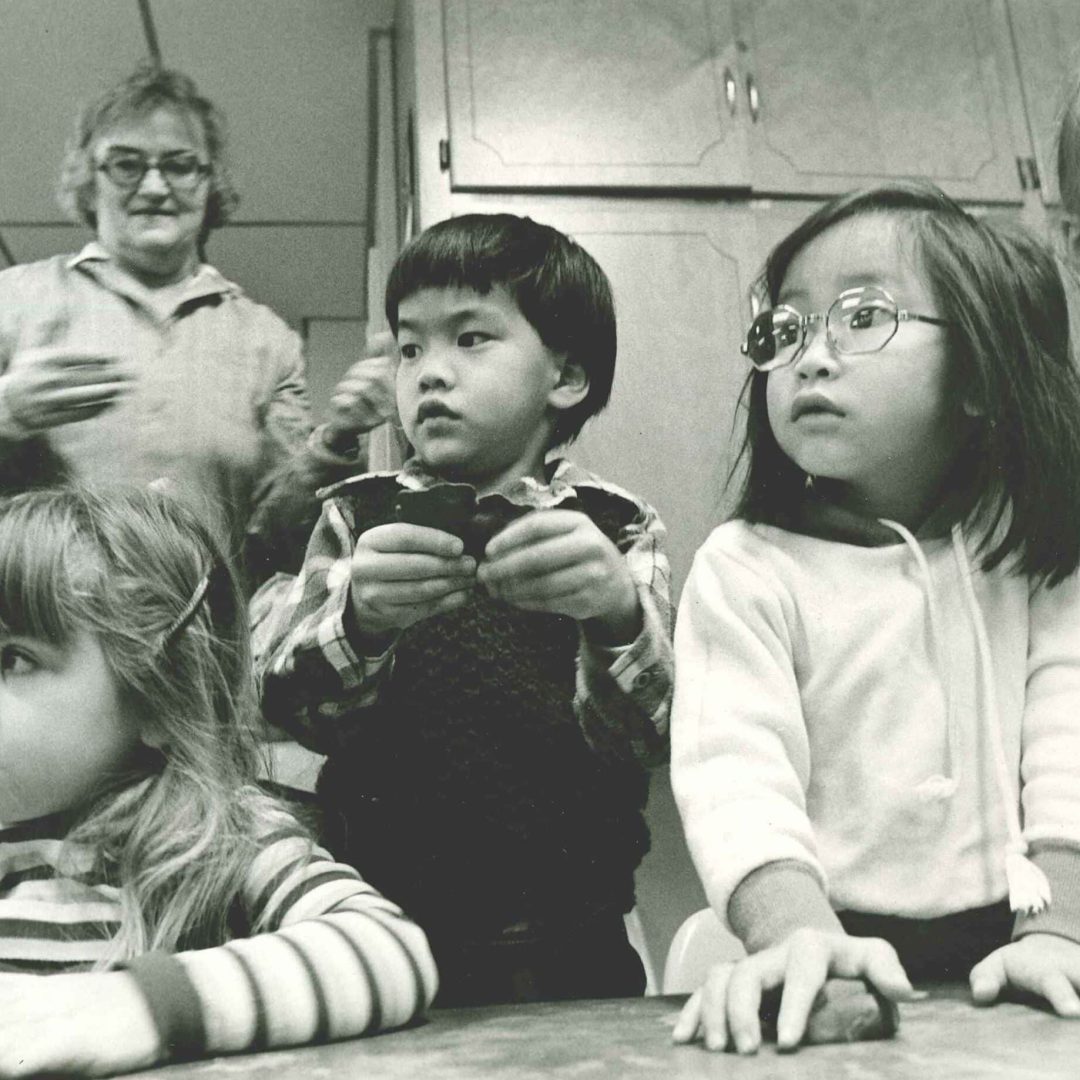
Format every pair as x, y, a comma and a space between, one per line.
148, 88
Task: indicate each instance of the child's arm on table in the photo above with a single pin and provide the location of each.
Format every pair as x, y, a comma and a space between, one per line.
823, 997
740, 770
331, 959
1044, 958
327, 644
560, 562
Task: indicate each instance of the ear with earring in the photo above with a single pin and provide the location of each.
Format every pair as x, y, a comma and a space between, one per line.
808, 483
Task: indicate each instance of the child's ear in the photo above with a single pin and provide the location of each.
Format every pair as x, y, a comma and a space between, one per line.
571, 388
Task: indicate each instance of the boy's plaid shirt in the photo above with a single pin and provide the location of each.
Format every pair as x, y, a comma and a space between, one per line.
313, 676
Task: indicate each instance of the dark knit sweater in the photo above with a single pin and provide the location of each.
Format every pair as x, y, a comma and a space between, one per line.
468, 792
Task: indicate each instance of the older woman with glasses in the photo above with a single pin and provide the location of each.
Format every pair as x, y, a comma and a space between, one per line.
134, 361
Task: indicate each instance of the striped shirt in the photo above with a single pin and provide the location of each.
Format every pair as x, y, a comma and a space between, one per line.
327, 956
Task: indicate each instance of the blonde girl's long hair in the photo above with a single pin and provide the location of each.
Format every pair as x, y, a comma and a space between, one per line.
178, 829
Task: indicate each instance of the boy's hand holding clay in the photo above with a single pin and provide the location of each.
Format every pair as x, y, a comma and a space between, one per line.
402, 573
558, 561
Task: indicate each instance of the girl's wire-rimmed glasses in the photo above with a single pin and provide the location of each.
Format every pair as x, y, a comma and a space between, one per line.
860, 320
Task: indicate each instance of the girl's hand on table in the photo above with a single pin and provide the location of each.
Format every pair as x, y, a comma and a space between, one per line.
726, 1011
1042, 964
92, 1023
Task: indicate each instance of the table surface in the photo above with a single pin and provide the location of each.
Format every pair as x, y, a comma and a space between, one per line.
942, 1037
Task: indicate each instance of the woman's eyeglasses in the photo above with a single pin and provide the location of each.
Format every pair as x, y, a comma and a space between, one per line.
182, 171
859, 320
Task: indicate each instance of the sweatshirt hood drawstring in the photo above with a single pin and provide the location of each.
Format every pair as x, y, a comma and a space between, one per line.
944, 784
1029, 890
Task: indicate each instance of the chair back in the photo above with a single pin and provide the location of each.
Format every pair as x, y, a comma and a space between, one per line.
699, 943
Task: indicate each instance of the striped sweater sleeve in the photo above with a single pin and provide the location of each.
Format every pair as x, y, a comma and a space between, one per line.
329, 958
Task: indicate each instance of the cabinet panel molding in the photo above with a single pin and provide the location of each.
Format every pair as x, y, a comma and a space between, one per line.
857, 91
605, 93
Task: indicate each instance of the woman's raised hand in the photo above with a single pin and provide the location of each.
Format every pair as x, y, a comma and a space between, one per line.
51, 385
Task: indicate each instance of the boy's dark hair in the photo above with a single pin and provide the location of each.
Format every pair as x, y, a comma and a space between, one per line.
1012, 365
557, 285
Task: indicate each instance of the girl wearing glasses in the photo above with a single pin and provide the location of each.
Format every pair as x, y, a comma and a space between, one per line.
875, 746
136, 361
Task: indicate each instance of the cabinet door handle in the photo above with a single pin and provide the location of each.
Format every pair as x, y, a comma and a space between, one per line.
730, 90
753, 98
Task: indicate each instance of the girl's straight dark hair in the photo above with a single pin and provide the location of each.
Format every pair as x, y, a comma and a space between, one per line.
1016, 478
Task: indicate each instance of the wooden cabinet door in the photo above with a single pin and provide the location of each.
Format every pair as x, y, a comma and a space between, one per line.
680, 274
592, 94
1047, 35
849, 93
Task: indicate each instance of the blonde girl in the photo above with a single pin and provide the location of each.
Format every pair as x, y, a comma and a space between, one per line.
876, 745
177, 909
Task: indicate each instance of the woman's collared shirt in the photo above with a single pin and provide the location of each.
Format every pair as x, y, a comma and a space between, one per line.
217, 411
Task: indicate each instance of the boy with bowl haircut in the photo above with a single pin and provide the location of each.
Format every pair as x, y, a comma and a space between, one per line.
480, 642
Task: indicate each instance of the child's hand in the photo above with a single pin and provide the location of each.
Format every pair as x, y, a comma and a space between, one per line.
1041, 964
364, 397
93, 1023
404, 573
559, 562
726, 1010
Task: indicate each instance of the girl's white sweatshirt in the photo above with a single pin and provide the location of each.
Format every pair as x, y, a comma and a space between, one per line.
833, 714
